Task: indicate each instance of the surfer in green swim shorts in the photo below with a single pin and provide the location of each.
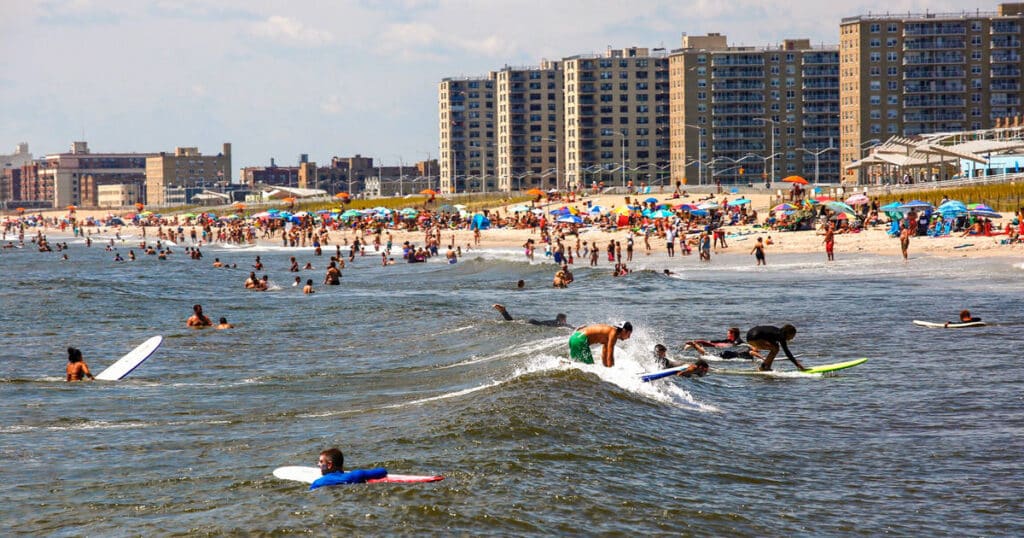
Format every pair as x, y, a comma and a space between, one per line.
606, 335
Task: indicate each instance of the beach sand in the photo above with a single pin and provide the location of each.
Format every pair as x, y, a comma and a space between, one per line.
872, 240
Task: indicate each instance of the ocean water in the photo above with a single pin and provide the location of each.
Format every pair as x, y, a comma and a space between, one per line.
408, 367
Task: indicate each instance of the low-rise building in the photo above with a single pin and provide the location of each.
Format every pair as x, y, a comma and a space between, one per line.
186, 169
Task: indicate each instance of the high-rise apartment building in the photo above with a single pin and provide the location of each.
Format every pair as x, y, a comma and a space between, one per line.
530, 127
617, 118
910, 74
752, 114
187, 170
467, 128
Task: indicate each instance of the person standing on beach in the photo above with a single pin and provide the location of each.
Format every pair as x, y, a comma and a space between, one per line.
758, 252
198, 319
670, 241
606, 335
77, 369
830, 242
905, 240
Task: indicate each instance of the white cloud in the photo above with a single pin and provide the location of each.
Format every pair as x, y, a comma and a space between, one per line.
332, 105
420, 40
290, 31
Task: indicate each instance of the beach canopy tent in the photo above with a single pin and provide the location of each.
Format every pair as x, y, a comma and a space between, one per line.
480, 222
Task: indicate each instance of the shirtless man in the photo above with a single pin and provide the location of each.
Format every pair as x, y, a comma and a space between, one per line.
77, 370
830, 242
772, 338
606, 335
198, 319
223, 324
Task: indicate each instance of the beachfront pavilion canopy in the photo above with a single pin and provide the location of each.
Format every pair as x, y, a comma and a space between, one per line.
922, 154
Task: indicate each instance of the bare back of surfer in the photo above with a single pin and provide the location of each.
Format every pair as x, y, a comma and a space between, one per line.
77, 370
606, 335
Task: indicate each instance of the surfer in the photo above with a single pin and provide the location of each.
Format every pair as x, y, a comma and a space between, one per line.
965, 317
698, 368
331, 464
606, 335
223, 324
732, 338
77, 369
198, 319
772, 338
559, 321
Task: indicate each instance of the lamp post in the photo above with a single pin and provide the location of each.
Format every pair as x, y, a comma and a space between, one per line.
774, 125
558, 184
816, 155
700, 150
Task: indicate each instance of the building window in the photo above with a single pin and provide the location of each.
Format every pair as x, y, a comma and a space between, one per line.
874, 28
874, 42
875, 57
875, 114
893, 27
890, 42
892, 56
893, 100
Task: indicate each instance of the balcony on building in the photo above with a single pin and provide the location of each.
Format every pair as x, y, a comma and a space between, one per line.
812, 96
821, 108
1004, 42
1006, 71
934, 86
1005, 100
1005, 57
931, 116
935, 28
737, 72
736, 59
741, 110
737, 97
737, 134
935, 43
1005, 85
821, 84
934, 72
719, 85
1004, 27
933, 58
933, 101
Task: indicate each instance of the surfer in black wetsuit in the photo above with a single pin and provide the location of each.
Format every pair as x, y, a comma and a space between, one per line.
559, 321
965, 317
699, 368
772, 338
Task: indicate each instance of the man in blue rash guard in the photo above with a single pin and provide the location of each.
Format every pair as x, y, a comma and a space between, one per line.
331, 465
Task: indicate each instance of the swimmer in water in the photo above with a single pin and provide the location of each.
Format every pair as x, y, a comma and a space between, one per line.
699, 368
308, 289
559, 321
198, 319
77, 369
223, 324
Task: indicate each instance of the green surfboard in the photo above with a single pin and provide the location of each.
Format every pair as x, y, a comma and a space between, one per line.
834, 366
816, 370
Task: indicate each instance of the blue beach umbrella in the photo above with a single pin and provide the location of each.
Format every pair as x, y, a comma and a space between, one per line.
739, 201
915, 204
570, 219
892, 206
651, 200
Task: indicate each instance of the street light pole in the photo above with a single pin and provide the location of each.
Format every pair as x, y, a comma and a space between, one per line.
774, 124
816, 155
700, 150
558, 184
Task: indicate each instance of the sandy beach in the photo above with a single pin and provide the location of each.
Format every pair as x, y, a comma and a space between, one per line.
873, 240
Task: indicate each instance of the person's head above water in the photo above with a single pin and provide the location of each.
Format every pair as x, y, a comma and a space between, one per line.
702, 367
331, 460
660, 350
965, 315
561, 318
734, 333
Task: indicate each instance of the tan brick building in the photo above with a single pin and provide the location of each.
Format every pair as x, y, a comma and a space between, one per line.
467, 128
910, 74
733, 108
529, 135
187, 168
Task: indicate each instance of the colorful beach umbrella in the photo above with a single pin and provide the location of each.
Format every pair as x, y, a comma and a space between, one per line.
570, 219
858, 199
739, 202
784, 207
839, 206
535, 192
795, 179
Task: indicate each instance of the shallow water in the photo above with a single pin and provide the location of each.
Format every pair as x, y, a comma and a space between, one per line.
409, 367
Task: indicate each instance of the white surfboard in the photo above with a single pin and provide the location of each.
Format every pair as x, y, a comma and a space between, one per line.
950, 325
308, 475
131, 361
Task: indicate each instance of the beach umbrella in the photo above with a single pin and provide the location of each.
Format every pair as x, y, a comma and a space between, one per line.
985, 213
571, 219
739, 202
624, 210
784, 207
409, 212
146, 213
858, 199
560, 211
351, 213
891, 206
189, 216
699, 212
651, 200
795, 179
262, 215
685, 207
480, 222
663, 214
341, 195
518, 208
708, 205
596, 209
839, 206
429, 192
535, 192
979, 207
915, 204
952, 208
447, 209
840, 216
459, 206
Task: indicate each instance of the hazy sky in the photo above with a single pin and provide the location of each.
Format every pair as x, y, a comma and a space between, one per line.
326, 78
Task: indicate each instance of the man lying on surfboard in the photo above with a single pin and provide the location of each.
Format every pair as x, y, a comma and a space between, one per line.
965, 317
699, 368
732, 339
331, 463
559, 321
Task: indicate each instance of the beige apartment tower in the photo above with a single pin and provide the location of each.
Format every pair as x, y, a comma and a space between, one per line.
753, 114
467, 127
186, 169
530, 131
910, 74
616, 118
